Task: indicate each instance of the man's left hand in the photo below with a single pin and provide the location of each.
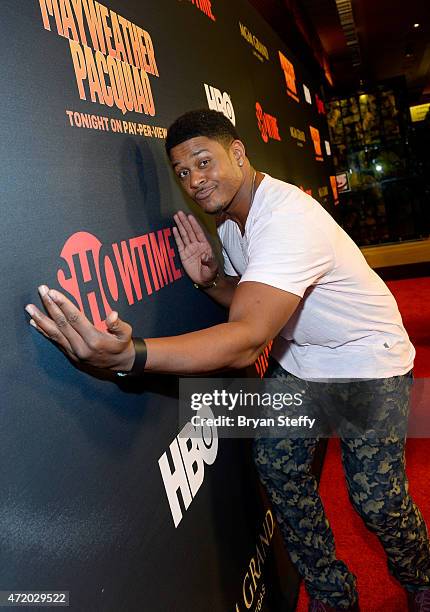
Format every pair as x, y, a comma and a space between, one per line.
77, 337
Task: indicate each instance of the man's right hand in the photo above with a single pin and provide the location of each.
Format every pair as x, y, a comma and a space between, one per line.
196, 253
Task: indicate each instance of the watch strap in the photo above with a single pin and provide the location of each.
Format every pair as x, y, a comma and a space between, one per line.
140, 357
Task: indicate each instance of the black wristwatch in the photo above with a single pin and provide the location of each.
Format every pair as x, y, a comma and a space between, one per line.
139, 363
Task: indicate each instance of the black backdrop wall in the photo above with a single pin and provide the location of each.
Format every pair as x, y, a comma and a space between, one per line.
88, 502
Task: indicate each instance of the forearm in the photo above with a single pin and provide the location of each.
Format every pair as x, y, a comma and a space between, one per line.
224, 290
224, 346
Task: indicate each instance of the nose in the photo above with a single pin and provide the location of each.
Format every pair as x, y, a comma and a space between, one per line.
197, 179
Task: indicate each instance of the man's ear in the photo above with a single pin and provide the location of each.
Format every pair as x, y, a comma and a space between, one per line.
237, 149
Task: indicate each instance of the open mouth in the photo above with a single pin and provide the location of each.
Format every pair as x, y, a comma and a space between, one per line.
204, 193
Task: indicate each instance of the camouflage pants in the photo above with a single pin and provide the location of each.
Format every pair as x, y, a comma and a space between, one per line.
376, 481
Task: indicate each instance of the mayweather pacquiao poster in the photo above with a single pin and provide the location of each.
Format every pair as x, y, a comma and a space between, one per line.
96, 498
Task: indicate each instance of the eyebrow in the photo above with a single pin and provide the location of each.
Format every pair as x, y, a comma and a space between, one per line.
193, 155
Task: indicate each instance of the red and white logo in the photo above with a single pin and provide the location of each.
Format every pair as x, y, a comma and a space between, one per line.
205, 6
267, 124
308, 190
320, 105
96, 277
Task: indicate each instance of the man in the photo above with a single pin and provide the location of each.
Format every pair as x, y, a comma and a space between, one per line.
290, 273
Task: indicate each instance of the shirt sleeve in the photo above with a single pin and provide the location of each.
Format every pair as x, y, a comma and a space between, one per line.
288, 252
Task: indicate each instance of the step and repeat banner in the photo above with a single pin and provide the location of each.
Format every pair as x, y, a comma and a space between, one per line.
100, 494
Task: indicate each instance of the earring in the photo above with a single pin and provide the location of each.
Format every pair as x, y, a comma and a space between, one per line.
241, 163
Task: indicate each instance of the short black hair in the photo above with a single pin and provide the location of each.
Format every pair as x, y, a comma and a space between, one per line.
201, 122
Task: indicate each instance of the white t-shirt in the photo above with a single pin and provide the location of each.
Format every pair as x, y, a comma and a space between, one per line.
347, 325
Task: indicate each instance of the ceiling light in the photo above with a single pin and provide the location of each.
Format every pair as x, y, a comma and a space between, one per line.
416, 25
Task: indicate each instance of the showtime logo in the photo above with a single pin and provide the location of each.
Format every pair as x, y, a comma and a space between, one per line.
267, 124
262, 362
205, 6
189, 451
320, 105
220, 102
308, 191
96, 276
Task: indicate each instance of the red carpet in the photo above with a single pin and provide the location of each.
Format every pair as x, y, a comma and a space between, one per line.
355, 545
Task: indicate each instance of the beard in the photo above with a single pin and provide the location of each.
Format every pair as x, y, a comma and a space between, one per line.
216, 209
